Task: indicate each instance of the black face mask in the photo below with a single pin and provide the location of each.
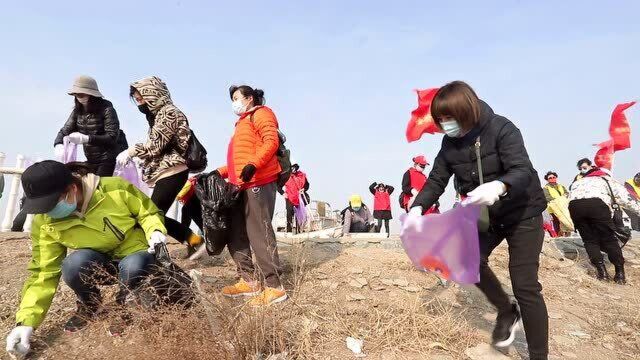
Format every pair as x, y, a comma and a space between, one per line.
144, 108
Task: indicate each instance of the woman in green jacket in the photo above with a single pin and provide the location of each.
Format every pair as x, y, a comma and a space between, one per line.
111, 225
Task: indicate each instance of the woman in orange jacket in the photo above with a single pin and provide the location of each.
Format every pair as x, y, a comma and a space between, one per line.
253, 165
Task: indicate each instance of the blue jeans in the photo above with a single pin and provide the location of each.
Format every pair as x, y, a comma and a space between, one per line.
84, 270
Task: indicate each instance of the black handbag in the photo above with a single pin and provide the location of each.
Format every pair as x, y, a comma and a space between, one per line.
621, 232
196, 155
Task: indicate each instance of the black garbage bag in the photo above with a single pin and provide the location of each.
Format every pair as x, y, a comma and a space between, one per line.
167, 285
217, 197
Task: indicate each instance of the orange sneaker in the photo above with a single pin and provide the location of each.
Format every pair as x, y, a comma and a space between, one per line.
241, 288
269, 296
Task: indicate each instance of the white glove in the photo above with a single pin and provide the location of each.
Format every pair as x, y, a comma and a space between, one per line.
414, 192
156, 238
78, 138
58, 152
486, 194
413, 219
18, 341
123, 158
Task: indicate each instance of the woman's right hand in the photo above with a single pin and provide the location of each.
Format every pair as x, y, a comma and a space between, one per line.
18, 341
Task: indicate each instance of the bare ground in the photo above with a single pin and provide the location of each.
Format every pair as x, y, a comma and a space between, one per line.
372, 294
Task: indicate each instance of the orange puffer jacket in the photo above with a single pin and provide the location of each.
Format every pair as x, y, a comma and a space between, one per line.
255, 141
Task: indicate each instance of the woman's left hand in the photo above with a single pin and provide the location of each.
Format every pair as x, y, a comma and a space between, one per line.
78, 138
486, 194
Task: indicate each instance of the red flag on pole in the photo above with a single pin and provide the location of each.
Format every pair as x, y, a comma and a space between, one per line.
421, 121
604, 156
619, 128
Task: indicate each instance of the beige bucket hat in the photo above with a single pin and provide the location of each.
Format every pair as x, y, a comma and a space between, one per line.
85, 85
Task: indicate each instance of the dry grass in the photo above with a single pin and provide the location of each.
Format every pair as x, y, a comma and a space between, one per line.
313, 324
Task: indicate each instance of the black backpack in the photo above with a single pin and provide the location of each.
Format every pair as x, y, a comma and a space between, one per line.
196, 155
284, 158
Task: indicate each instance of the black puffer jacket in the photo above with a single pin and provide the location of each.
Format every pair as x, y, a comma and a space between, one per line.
504, 158
106, 139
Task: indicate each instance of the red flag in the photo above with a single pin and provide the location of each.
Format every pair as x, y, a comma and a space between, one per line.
421, 121
619, 128
604, 156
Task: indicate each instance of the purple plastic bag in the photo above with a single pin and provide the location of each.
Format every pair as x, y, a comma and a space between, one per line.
70, 153
132, 174
301, 212
446, 244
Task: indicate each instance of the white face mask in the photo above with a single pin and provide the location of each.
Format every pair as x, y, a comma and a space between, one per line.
238, 107
584, 171
451, 128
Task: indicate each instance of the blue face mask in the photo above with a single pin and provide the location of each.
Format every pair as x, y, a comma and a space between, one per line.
451, 128
63, 209
356, 208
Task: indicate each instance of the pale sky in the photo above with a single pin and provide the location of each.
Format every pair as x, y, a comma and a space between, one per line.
339, 75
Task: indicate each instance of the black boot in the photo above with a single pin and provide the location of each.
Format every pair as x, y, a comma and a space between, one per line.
84, 313
619, 277
601, 270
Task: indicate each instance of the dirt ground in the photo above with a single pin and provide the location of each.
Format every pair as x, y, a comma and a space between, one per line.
372, 294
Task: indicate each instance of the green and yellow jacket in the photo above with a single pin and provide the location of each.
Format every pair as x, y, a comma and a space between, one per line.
115, 219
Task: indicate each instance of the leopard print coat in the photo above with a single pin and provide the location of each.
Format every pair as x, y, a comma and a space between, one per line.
167, 143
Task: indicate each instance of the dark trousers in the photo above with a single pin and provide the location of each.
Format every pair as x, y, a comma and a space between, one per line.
104, 169
291, 221
593, 219
251, 229
525, 244
556, 224
386, 225
84, 270
164, 195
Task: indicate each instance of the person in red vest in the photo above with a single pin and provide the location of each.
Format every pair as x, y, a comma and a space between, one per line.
413, 181
382, 205
297, 185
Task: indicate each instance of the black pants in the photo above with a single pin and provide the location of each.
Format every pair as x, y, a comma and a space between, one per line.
594, 222
525, 244
386, 225
104, 169
164, 195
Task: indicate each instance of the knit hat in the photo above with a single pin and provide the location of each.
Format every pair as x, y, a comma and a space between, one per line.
85, 85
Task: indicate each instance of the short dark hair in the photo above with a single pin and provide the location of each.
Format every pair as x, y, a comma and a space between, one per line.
248, 91
546, 177
584, 161
456, 100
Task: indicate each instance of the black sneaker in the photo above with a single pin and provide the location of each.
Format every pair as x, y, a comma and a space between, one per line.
120, 323
506, 326
79, 320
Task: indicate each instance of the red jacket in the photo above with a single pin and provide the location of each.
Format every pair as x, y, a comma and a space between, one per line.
296, 182
382, 201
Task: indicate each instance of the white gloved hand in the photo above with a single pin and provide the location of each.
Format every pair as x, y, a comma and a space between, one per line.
78, 138
123, 158
156, 238
486, 194
414, 192
413, 220
18, 341
58, 152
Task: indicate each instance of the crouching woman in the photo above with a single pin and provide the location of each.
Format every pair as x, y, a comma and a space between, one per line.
111, 225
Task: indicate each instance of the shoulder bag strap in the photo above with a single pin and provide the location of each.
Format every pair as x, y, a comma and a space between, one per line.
614, 203
479, 161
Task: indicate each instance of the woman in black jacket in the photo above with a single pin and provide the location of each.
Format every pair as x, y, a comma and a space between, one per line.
94, 124
515, 201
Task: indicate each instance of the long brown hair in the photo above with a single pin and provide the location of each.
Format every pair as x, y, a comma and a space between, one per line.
456, 100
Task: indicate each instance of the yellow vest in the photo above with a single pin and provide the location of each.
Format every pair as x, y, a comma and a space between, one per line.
555, 193
635, 187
